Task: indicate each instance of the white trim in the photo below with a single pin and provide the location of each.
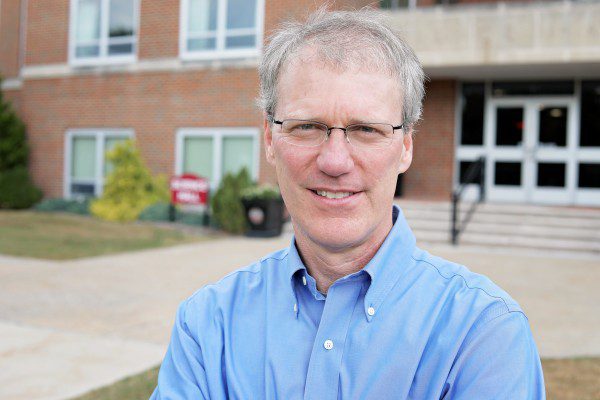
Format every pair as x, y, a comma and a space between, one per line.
49, 71
220, 35
12, 84
100, 134
217, 134
103, 58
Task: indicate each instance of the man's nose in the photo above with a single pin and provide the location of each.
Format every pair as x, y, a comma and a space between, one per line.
335, 158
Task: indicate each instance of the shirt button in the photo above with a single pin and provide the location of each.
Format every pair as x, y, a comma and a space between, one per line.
328, 344
304, 280
296, 307
371, 311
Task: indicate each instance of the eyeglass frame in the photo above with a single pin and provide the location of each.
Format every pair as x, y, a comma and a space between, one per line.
329, 129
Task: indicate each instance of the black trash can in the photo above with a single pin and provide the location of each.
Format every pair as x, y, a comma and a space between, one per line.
264, 216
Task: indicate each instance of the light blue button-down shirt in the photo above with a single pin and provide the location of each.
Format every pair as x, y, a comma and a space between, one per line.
407, 326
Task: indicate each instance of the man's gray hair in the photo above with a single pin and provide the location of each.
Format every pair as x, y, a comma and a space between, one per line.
345, 39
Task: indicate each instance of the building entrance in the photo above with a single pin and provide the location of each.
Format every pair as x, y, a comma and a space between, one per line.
531, 146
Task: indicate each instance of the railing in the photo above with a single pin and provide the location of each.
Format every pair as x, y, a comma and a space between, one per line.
474, 174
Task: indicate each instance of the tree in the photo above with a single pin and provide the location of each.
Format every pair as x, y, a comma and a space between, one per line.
130, 187
13, 141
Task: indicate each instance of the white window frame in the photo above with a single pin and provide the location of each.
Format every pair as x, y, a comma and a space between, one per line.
221, 52
100, 134
217, 134
103, 58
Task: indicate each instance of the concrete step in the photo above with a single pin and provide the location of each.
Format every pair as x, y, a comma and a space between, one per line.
509, 226
475, 226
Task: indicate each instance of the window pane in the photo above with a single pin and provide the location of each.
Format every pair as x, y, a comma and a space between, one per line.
472, 113
509, 126
83, 158
87, 51
507, 173
551, 175
393, 4
240, 41
201, 44
110, 144
88, 20
238, 152
589, 175
86, 189
241, 13
121, 18
590, 114
464, 166
125, 48
553, 126
198, 156
202, 16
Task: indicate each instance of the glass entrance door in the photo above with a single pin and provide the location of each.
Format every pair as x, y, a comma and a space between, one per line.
531, 147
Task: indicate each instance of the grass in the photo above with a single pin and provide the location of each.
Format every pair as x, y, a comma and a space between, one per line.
58, 236
566, 379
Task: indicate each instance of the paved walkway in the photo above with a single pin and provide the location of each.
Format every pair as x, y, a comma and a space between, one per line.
69, 327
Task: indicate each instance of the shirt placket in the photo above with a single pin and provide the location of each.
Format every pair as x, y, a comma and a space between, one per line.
322, 379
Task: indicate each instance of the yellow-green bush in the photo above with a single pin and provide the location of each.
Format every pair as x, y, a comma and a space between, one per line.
130, 187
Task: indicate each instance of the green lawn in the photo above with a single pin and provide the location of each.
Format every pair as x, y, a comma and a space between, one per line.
569, 379
59, 236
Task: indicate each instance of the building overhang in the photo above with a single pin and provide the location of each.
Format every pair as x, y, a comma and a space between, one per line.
538, 39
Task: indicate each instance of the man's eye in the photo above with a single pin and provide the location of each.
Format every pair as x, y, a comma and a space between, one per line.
366, 129
306, 127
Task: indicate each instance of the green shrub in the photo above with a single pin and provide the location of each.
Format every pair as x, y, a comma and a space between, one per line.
262, 192
130, 187
227, 208
155, 212
76, 206
13, 142
16, 189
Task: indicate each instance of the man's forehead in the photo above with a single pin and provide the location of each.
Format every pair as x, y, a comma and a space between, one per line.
336, 61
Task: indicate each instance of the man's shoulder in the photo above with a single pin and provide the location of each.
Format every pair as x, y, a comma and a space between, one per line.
464, 287
241, 283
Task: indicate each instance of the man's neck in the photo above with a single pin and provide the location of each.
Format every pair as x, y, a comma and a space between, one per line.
327, 265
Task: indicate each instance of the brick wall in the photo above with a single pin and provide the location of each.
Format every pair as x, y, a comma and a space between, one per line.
10, 12
159, 29
431, 172
47, 32
153, 104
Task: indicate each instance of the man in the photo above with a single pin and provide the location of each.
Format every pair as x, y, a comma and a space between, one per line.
352, 309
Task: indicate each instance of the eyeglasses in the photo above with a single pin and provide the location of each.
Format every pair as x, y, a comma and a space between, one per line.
307, 133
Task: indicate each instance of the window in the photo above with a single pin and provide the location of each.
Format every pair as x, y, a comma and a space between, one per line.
590, 117
220, 28
397, 4
103, 31
473, 105
213, 152
85, 160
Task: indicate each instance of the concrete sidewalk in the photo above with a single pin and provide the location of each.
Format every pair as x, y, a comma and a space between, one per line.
69, 327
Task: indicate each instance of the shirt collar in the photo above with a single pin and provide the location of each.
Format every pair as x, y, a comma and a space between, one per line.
384, 269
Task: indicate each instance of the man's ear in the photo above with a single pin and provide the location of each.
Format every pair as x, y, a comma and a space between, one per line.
407, 151
268, 140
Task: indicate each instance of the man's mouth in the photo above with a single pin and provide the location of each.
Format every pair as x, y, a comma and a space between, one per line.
333, 195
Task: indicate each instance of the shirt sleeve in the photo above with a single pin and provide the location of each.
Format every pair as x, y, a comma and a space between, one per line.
498, 360
182, 374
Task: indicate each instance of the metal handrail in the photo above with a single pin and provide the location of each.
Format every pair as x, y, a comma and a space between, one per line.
475, 170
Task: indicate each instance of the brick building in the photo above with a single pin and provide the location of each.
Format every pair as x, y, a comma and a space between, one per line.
516, 82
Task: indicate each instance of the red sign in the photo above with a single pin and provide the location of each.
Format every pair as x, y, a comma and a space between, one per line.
189, 189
